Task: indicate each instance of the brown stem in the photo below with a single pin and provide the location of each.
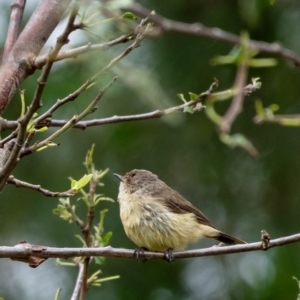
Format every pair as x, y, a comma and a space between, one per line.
198, 29
237, 102
17, 9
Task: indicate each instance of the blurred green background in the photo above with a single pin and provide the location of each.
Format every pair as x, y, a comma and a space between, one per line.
239, 194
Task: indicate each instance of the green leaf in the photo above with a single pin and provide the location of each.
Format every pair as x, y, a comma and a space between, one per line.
81, 240
188, 109
181, 96
83, 181
238, 140
129, 16
100, 260
50, 144
101, 198
106, 238
89, 158
262, 62
193, 96
274, 107
22, 93
259, 108
63, 213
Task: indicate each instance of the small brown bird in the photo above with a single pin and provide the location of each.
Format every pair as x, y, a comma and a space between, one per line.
158, 218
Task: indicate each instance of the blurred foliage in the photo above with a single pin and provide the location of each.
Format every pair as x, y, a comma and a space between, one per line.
239, 194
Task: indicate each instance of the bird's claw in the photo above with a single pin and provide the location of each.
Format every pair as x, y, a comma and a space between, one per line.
139, 254
169, 255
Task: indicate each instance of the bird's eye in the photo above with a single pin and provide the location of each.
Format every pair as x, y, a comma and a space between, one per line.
133, 174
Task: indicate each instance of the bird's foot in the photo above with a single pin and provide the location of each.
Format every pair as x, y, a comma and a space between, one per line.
139, 254
169, 255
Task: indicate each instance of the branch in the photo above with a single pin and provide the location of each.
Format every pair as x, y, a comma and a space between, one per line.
198, 29
237, 103
26, 252
248, 89
17, 10
285, 120
156, 114
40, 61
69, 124
79, 282
18, 183
36, 102
141, 30
19, 63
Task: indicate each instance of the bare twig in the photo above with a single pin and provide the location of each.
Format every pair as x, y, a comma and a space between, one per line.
237, 103
138, 38
25, 251
73, 53
248, 89
78, 285
75, 119
19, 183
198, 29
86, 234
59, 103
138, 117
8, 138
17, 9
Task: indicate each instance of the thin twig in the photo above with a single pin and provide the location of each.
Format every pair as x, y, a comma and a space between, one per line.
156, 114
219, 96
17, 10
138, 38
40, 61
198, 29
8, 138
237, 102
59, 103
19, 183
78, 285
86, 234
75, 119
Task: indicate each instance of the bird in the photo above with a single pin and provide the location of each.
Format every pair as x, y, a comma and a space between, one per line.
157, 218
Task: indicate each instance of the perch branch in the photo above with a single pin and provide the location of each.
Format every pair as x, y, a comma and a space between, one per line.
25, 251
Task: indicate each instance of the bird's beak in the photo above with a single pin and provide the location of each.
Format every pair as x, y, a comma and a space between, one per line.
118, 176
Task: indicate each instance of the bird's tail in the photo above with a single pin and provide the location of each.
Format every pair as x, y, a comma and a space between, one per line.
227, 239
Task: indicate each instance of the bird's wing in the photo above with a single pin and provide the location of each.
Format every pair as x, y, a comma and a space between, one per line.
178, 204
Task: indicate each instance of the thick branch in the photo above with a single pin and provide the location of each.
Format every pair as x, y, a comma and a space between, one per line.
25, 250
198, 29
19, 63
